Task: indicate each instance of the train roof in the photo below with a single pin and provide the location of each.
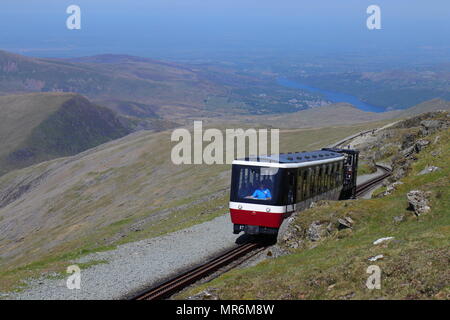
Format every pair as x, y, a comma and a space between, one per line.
292, 159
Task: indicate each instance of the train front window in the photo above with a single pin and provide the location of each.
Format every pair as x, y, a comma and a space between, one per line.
255, 184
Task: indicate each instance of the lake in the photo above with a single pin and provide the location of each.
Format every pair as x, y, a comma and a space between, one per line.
332, 96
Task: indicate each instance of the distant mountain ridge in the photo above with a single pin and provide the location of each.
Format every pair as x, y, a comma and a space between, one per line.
42, 126
427, 106
176, 91
147, 88
110, 77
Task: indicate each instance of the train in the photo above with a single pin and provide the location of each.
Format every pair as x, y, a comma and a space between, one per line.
265, 190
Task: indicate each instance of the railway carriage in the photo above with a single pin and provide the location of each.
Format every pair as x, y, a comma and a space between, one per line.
266, 190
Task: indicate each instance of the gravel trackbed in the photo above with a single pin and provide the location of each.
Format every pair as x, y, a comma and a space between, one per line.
133, 266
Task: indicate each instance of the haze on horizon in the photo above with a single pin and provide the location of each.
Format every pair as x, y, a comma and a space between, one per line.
173, 28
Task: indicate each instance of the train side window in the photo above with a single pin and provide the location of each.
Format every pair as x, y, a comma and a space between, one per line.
305, 183
339, 173
330, 173
330, 176
310, 182
327, 177
321, 177
335, 175
300, 183
316, 180
292, 190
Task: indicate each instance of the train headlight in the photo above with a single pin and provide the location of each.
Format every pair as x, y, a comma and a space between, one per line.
240, 207
267, 209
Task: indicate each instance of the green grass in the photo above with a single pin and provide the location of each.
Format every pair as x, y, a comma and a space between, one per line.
415, 263
365, 168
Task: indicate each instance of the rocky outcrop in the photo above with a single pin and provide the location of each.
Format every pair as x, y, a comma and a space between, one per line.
345, 222
297, 236
418, 201
390, 188
429, 169
316, 231
430, 126
208, 294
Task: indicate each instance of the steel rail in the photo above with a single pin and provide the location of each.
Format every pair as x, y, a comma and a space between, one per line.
368, 185
178, 283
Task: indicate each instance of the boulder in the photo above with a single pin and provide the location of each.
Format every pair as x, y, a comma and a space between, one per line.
375, 258
346, 222
408, 151
430, 126
429, 169
390, 188
435, 153
420, 144
381, 240
408, 140
208, 294
399, 173
316, 231
418, 202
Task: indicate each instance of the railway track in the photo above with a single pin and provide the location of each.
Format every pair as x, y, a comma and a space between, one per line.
368, 185
180, 282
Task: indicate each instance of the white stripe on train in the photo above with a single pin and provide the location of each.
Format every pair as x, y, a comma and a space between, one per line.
261, 207
286, 165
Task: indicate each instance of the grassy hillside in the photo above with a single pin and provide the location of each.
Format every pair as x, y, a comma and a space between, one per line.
121, 191
414, 264
331, 115
44, 126
428, 106
334, 114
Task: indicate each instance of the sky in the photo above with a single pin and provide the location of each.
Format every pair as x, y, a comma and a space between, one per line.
171, 27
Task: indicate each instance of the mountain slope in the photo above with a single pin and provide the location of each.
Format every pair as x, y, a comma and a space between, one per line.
337, 114
428, 106
124, 190
44, 126
334, 114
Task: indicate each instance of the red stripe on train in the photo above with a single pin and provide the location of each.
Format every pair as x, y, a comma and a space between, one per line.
257, 218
